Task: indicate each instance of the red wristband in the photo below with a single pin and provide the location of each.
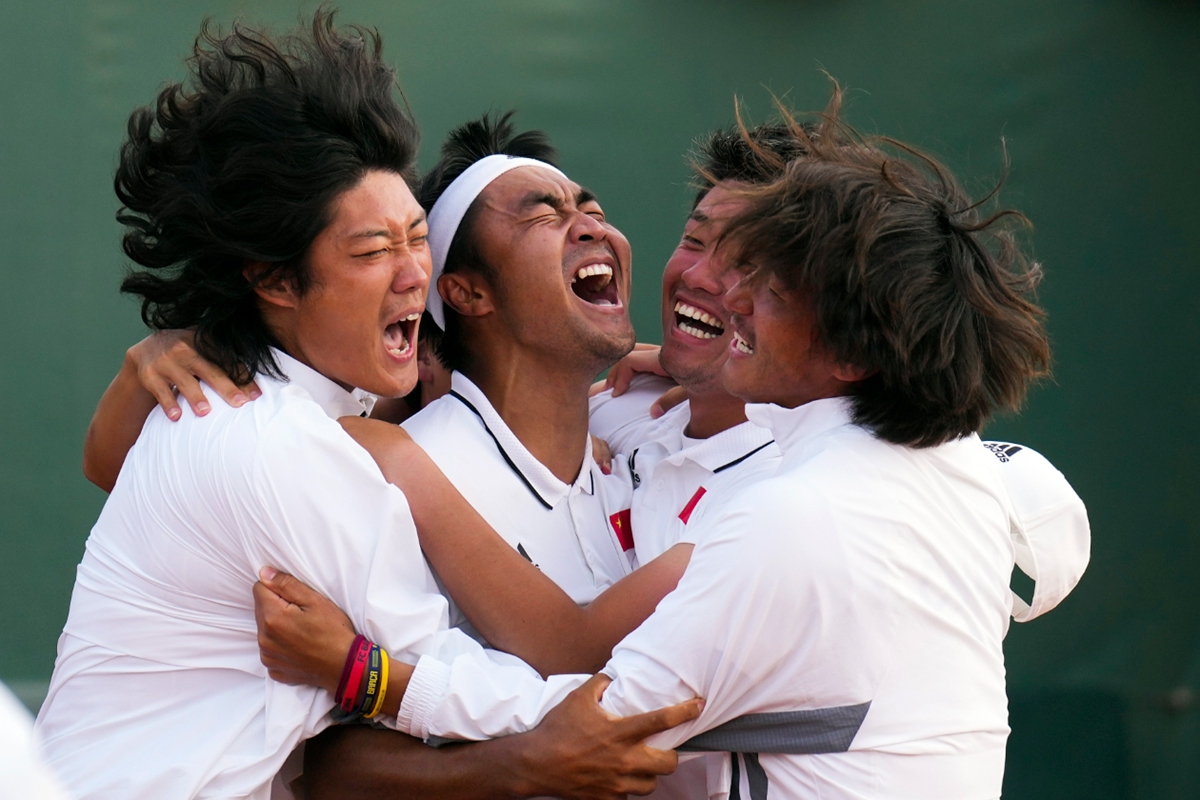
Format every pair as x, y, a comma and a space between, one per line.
349, 698
341, 687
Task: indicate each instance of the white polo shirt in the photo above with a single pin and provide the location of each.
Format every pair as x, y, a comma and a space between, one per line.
564, 529
865, 585
158, 690
676, 479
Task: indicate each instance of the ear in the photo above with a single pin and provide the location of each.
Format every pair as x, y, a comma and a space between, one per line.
276, 290
467, 293
848, 373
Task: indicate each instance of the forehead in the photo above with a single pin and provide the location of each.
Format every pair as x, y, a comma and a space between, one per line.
513, 187
720, 203
380, 199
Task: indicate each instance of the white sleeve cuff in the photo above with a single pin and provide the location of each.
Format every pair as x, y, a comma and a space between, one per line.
426, 688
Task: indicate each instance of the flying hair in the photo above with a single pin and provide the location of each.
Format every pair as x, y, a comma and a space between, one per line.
241, 165
909, 280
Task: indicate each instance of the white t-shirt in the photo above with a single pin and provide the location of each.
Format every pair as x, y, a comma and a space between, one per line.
23, 771
158, 690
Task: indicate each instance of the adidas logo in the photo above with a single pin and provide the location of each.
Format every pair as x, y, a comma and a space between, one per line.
1003, 450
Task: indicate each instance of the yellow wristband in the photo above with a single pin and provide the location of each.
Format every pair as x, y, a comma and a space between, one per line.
383, 679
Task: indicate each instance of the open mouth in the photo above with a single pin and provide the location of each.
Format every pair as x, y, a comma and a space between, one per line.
741, 345
593, 284
398, 337
695, 322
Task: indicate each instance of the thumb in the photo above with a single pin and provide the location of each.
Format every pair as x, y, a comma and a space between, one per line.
288, 587
595, 686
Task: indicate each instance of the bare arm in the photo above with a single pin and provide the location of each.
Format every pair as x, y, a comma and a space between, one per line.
572, 754
153, 370
578, 750
507, 599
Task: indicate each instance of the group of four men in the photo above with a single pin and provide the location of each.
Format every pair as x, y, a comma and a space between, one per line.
812, 588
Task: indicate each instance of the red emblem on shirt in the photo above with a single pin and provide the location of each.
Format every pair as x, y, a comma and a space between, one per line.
623, 528
686, 514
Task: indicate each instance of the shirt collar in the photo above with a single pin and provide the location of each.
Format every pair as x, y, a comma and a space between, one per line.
718, 451
792, 427
533, 473
333, 399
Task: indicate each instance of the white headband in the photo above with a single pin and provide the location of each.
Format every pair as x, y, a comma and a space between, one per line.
447, 214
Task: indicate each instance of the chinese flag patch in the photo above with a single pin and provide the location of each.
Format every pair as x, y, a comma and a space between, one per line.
686, 514
623, 528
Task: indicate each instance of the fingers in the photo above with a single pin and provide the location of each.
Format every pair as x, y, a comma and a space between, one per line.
644, 359
594, 687
288, 587
602, 454
640, 726
162, 391
669, 399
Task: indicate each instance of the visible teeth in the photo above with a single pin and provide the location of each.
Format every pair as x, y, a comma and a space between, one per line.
593, 269
692, 330
411, 317
402, 350
741, 344
683, 309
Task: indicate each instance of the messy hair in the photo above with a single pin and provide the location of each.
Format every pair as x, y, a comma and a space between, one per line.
909, 279
241, 165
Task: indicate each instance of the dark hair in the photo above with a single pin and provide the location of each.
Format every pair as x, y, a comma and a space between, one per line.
907, 280
727, 154
466, 144
242, 164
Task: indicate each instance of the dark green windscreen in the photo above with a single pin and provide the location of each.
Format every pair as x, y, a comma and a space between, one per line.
1099, 103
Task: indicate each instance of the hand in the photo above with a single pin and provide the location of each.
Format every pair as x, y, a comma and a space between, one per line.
602, 455
668, 400
643, 359
580, 751
303, 638
167, 362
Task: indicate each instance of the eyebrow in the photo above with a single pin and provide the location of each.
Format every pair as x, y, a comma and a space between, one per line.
537, 198
386, 233
698, 216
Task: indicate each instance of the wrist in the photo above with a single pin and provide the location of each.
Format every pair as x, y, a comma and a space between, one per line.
521, 765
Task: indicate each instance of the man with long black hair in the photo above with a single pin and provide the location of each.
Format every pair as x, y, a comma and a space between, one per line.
268, 204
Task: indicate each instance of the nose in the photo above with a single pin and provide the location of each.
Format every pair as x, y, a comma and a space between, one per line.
705, 274
586, 228
412, 270
738, 298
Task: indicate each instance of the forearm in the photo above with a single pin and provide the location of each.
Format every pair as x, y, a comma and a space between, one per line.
115, 426
516, 607
358, 761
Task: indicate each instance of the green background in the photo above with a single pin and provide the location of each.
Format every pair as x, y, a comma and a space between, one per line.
1099, 102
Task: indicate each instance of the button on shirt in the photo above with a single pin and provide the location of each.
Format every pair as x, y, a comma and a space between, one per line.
865, 583
158, 690
565, 529
677, 479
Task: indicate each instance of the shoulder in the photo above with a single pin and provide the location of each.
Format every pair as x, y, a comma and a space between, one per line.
445, 425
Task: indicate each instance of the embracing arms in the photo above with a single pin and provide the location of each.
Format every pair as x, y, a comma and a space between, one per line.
510, 602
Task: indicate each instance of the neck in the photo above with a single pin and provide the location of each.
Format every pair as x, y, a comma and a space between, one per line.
545, 406
713, 411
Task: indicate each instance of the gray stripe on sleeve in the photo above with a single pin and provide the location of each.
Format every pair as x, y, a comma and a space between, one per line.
818, 730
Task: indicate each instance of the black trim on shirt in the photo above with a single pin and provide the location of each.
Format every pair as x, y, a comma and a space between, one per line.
737, 461
507, 460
